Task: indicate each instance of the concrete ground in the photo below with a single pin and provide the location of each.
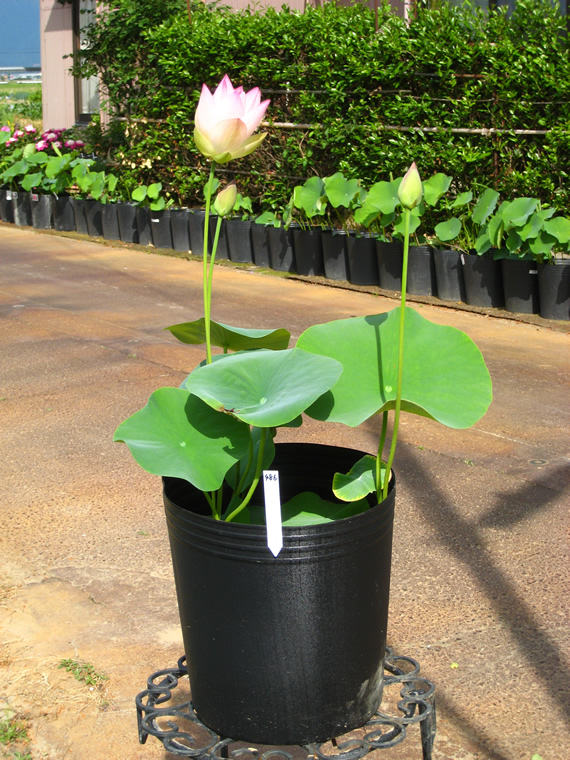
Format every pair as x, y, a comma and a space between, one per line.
480, 570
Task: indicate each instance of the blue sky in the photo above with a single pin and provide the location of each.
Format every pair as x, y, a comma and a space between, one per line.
19, 32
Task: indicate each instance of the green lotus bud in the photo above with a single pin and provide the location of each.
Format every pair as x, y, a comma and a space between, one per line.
410, 191
226, 200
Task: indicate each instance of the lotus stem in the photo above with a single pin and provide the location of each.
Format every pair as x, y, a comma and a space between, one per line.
253, 486
379, 482
206, 282
400, 354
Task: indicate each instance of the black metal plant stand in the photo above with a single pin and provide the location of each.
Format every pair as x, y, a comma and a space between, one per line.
194, 739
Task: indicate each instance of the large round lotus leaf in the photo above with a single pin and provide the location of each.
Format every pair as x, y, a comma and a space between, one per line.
177, 434
265, 388
444, 375
230, 338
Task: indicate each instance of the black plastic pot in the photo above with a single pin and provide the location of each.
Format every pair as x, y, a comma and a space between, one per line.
449, 275
335, 258
196, 227
127, 218
63, 214
80, 213
143, 225
259, 245
179, 229
281, 252
222, 251
22, 209
554, 289
238, 233
160, 228
42, 210
308, 252
520, 286
110, 221
421, 271
483, 280
6, 206
362, 259
390, 261
287, 649
93, 215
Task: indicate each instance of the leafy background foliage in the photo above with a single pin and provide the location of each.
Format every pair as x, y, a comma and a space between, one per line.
329, 71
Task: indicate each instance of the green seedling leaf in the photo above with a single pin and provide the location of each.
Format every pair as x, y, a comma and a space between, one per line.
559, 228
513, 241
532, 227
139, 193
32, 180
230, 338
384, 196
483, 242
158, 205
444, 375
177, 434
435, 187
542, 244
358, 482
448, 230
366, 215
399, 224
309, 509
485, 206
340, 191
516, 213
310, 197
462, 199
153, 190
29, 150
264, 388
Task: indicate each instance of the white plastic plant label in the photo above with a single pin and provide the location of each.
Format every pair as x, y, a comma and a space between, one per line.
273, 511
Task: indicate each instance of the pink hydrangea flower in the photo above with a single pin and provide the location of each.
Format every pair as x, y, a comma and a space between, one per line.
42, 145
30, 129
4, 129
18, 133
11, 140
56, 144
70, 143
79, 144
50, 136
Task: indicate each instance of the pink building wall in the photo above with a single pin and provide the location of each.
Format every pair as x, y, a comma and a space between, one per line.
58, 86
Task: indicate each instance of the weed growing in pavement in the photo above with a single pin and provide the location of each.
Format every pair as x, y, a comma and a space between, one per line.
84, 672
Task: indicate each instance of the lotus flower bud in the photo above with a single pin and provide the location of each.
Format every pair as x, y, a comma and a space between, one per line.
410, 191
226, 200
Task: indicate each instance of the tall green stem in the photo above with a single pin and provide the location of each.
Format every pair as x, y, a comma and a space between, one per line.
253, 486
206, 281
381, 443
400, 353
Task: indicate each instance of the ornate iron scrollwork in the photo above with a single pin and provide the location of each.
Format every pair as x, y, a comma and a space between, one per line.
182, 733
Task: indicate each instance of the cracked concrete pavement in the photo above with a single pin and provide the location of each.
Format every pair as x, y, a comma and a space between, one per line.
480, 571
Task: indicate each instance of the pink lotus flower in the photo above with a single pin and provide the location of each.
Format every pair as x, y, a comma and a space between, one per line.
226, 120
42, 145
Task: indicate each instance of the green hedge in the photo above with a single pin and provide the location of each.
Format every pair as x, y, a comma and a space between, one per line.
449, 69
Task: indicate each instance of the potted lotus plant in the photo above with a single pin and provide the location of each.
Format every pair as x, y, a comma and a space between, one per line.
271, 541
